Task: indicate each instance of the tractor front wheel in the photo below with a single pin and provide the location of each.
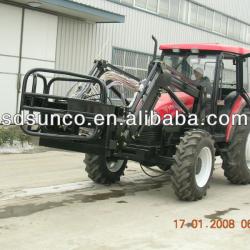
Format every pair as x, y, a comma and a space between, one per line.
194, 164
103, 170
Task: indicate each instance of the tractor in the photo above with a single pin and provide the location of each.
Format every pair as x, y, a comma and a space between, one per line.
205, 80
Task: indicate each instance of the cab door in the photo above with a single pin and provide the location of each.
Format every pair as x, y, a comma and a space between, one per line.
243, 78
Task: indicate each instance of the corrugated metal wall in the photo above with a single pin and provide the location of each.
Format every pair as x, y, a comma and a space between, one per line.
79, 43
237, 9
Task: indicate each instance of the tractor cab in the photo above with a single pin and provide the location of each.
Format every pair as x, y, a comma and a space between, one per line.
213, 67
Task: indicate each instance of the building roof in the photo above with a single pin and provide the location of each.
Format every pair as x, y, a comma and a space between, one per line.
206, 47
75, 9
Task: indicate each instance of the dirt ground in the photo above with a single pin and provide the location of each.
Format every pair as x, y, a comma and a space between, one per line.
48, 202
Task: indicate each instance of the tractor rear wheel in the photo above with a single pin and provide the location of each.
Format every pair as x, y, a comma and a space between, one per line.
194, 164
236, 157
103, 170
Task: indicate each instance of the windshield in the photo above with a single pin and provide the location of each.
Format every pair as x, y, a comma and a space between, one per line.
193, 67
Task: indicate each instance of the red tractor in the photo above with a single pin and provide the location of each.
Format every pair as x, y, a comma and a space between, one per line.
205, 80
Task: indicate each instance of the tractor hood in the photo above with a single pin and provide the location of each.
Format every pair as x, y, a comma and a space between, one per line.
166, 105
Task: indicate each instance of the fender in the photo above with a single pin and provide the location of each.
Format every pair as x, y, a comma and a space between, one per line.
237, 108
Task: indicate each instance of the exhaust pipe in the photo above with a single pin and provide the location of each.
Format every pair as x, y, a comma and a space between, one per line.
151, 64
155, 48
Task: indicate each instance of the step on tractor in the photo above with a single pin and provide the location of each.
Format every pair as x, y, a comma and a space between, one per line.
187, 79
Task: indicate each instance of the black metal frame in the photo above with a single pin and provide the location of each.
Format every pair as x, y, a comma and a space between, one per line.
33, 102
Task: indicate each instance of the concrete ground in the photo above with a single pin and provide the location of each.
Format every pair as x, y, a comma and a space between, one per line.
47, 202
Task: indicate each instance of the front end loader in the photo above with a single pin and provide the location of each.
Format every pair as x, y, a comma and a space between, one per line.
185, 151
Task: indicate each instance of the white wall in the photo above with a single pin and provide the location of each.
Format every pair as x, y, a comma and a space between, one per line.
39, 41
39, 35
38, 49
10, 33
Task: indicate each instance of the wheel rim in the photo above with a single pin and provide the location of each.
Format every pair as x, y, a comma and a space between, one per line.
203, 167
248, 151
114, 166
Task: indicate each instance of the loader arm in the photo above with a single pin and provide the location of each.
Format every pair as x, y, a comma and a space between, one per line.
159, 79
